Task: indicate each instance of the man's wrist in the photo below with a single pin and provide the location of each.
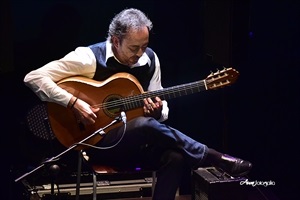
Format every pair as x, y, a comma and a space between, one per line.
72, 102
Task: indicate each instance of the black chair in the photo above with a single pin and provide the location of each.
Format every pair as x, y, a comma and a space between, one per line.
36, 122
99, 170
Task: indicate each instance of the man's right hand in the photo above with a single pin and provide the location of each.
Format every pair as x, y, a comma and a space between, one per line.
84, 112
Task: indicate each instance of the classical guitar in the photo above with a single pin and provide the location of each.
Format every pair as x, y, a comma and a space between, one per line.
120, 92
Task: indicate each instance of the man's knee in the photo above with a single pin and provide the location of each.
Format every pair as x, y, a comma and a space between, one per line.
174, 157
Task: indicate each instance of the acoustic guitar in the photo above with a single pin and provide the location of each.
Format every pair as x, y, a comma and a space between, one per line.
120, 92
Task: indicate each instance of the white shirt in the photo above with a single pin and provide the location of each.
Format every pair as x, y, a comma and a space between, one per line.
81, 62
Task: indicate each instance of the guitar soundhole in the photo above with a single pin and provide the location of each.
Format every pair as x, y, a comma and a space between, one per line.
113, 105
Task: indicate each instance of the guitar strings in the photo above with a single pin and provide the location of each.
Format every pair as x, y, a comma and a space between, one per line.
138, 98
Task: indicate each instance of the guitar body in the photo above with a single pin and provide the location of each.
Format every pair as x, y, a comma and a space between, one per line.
63, 122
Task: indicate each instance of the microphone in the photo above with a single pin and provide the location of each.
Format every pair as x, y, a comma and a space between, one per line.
123, 117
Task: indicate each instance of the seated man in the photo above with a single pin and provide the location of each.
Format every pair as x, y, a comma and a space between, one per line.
146, 141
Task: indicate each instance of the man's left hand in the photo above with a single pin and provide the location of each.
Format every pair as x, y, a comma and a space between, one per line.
153, 108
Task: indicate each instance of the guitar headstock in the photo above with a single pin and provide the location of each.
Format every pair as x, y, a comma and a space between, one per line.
221, 78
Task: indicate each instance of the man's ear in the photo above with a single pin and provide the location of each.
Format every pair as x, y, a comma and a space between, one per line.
115, 41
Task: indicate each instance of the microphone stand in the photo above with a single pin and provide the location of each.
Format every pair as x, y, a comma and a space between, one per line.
55, 158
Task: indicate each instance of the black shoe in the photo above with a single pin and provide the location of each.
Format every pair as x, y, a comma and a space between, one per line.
235, 167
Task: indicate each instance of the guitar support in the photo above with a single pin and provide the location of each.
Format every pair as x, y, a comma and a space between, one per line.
57, 157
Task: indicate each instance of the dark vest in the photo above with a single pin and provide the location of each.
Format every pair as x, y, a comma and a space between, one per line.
104, 69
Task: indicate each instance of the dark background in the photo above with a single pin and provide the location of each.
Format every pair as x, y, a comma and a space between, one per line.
257, 118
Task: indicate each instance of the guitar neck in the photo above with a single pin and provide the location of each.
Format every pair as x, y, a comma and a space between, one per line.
136, 101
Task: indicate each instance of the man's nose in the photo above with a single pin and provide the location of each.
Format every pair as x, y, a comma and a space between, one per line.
140, 52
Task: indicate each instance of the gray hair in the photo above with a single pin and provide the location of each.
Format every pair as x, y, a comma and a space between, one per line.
128, 19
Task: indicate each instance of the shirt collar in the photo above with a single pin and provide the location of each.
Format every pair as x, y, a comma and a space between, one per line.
141, 62
109, 52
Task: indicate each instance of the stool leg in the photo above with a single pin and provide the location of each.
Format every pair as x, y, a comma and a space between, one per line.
153, 181
94, 186
78, 175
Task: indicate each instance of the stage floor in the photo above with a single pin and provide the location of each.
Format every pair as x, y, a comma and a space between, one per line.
181, 197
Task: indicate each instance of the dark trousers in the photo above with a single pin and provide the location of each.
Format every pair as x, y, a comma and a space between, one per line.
148, 144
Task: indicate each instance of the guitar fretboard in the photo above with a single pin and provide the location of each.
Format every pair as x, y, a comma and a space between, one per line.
136, 101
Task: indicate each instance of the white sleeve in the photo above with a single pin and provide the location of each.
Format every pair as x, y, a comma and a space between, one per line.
42, 81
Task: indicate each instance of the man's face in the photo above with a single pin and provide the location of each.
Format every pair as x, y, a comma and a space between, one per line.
132, 47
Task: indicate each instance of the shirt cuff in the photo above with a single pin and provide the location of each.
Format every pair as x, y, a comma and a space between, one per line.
165, 112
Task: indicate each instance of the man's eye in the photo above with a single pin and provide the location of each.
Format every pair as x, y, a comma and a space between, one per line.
134, 49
